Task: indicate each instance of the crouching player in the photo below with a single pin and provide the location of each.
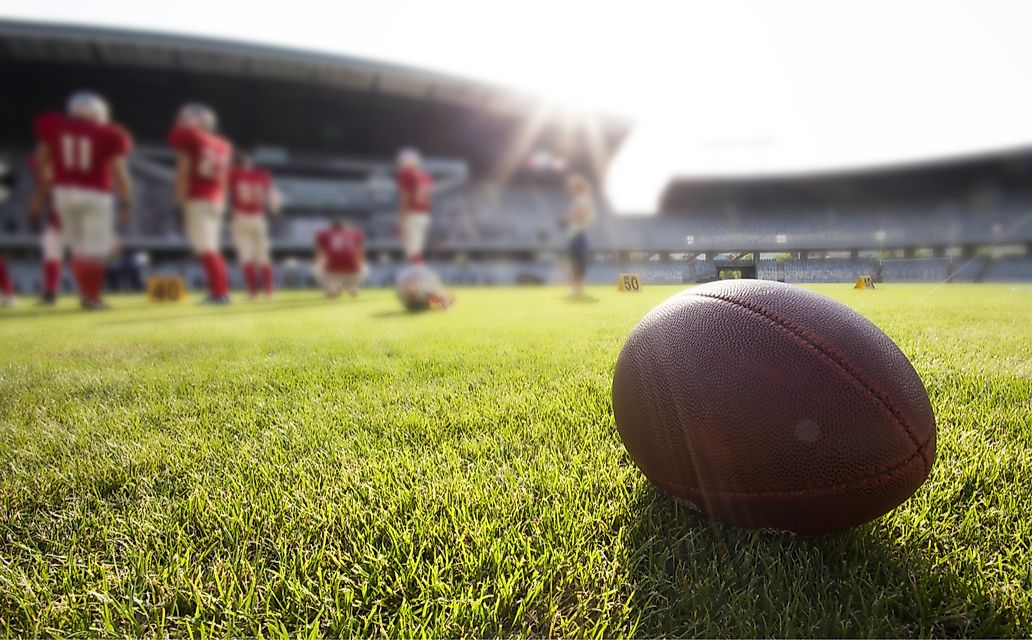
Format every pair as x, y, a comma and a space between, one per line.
51, 241
414, 188
252, 194
339, 259
202, 167
85, 154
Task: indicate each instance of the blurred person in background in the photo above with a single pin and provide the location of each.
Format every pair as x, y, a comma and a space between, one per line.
6, 286
340, 259
124, 270
202, 168
414, 189
85, 155
251, 195
7, 183
578, 217
51, 241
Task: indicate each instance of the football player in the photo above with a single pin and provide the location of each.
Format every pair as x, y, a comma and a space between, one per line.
251, 195
202, 168
579, 216
414, 188
6, 286
339, 258
51, 241
7, 298
86, 156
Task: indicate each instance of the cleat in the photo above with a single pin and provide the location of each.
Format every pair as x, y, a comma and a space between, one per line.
47, 300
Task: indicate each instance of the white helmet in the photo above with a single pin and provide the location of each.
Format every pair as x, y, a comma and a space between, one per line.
409, 158
87, 105
195, 114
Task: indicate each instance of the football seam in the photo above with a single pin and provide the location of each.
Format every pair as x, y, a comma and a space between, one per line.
850, 484
834, 357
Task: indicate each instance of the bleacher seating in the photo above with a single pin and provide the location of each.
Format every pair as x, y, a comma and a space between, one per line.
1010, 269
816, 270
916, 270
827, 230
524, 218
970, 269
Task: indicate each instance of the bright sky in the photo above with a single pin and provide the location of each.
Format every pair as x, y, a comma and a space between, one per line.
713, 87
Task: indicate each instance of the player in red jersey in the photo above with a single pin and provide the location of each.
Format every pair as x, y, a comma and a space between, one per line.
85, 155
7, 298
51, 240
202, 168
414, 189
6, 286
251, 195
340, 259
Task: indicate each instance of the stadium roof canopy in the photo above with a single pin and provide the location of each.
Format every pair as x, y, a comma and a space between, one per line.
985, 177
287, 97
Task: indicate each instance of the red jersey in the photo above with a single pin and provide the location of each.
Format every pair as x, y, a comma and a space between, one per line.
81, 151
209, 161
415, 185
49, 213
249, 190
341, 248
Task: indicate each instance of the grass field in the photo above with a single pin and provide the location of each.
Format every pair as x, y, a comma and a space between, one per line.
341, 468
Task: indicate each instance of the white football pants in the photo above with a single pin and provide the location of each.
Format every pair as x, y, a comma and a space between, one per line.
87, 220
203, 225
251, 238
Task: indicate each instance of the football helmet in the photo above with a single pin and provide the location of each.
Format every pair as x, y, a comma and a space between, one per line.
419, 289
409, 158
87, 105
195, 114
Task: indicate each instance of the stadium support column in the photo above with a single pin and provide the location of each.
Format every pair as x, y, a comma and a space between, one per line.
854, 254
908, 252
939, 252
1028, 249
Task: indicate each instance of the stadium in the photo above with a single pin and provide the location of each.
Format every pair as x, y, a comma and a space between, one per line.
345, 468
497, 218
338, 162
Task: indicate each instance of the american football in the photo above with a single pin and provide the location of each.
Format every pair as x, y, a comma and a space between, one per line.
537, 319
770, 406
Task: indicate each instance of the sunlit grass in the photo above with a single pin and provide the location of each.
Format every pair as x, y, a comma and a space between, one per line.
346, 469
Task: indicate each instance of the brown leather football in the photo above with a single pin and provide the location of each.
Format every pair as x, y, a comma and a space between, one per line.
770, 406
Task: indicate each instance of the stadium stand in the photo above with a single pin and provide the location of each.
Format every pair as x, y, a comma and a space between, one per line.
1010, 269
496, 215
816, 270
931, 270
